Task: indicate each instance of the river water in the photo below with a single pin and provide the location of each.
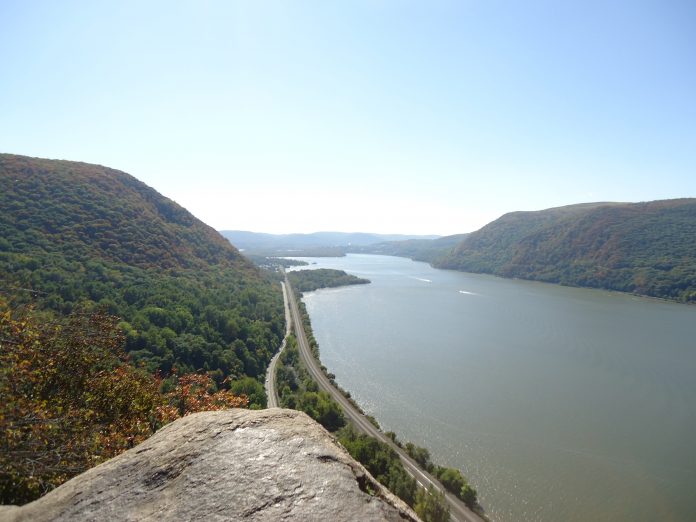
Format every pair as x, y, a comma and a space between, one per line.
559, 404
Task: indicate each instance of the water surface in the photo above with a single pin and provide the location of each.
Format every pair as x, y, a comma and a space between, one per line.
558, 403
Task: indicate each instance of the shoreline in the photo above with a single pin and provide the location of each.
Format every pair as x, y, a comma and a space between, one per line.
566, 285
459, 511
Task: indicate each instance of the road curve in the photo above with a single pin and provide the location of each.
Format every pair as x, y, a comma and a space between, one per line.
459, 511
271, 393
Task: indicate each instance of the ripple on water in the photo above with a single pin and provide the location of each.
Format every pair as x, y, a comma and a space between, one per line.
557, 403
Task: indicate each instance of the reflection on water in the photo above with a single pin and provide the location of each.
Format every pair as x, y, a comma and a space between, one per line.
558, 403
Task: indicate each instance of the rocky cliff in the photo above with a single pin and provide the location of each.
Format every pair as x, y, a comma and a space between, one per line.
232, 465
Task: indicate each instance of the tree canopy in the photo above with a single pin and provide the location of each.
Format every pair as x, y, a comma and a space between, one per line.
310, 280
644, 248
72, 400
79, 235
93, 264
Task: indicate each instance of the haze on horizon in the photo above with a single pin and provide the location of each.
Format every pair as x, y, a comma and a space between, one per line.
377, 115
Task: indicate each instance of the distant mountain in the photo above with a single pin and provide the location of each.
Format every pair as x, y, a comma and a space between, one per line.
417, 249
86, 236
259, 242
645, 248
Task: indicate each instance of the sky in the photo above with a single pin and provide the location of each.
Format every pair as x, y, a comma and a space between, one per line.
429, 117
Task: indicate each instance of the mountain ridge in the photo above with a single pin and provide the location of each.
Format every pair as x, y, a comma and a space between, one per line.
647, 248
36, 194
86, 236
263, 241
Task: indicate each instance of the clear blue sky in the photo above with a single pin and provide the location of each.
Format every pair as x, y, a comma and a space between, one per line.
384, 116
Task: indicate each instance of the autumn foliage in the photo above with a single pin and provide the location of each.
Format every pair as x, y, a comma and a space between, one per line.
84, 236
71, 400
645, 248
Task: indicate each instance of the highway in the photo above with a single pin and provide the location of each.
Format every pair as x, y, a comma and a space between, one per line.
271, 394
459, 512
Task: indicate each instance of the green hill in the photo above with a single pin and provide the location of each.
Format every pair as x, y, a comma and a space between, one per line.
416, 249
85, 236
644, 248
87, 210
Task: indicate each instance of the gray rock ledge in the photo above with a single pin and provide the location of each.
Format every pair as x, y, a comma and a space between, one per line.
230, 465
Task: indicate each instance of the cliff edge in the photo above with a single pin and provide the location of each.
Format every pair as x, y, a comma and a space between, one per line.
229, 465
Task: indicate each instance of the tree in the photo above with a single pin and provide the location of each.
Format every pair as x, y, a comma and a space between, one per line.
380, 460
71, 400
454, 481
196, 392
420, 455
252, 389
431, 505
468, 495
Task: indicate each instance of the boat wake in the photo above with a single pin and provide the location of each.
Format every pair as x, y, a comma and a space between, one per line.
467, 293
421, 279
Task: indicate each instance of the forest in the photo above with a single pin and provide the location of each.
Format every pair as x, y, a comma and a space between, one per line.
83, 236
71, 398
310, 280
642, 248
119, 312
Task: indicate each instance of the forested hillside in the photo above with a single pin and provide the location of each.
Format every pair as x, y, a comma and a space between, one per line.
71, 400
645, 248
310, 280
74, 235
416, 249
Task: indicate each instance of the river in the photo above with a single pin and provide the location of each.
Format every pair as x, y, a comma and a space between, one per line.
557, 403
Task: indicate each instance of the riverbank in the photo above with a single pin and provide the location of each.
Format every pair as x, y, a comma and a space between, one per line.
486, 380
459, 510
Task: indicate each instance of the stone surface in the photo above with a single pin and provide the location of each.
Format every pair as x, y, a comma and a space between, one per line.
231, 465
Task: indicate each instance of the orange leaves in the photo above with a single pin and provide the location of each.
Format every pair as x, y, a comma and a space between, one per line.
53, 378
71, 401
194, 392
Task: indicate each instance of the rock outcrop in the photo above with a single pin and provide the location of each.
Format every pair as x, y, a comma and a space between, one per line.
231, 465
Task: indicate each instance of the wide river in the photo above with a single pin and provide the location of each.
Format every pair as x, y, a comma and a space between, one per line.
559, 404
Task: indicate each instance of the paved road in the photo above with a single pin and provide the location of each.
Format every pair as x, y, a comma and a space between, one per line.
458, 510
271, 394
